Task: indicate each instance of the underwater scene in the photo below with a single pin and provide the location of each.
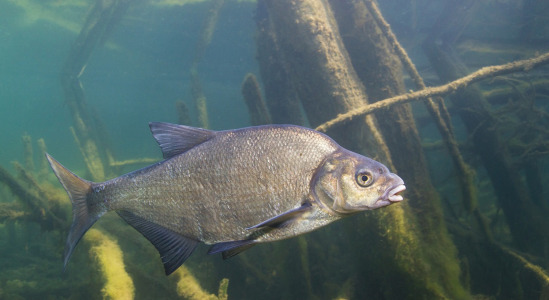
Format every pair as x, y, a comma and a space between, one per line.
444, 105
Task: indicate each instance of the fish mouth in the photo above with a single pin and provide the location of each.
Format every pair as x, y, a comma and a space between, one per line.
394, 194
390, 197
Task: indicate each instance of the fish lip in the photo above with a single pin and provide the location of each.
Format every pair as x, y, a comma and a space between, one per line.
389, 197
392, 194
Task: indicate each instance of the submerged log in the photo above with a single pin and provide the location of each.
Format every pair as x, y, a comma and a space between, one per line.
107, 254
10, 212
182, 113
208, 27
199, 100
317, 61
259, 115
188, 286
281, 97
87, 128
319, 67
48, 216
207, 31
380, 70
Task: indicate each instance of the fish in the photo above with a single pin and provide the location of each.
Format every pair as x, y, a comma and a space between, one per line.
231, 189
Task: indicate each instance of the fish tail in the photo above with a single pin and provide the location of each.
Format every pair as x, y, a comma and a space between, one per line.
83, 217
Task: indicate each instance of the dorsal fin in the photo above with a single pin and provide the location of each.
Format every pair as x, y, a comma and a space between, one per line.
175, 139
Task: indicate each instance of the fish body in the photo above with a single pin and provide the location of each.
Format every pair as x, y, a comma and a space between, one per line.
232, 189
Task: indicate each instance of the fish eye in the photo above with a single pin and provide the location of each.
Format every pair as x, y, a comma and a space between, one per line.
364, 179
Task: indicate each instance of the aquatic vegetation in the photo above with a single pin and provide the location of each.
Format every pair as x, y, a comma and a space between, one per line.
189, 288
108, 255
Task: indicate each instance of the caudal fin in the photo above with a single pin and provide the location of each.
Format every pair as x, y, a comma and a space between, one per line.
83, 217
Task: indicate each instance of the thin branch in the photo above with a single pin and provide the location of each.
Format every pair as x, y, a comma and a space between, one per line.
535, 269
437, 110
137, 161
483, 73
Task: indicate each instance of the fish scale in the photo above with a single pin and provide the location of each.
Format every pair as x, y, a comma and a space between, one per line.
232, 189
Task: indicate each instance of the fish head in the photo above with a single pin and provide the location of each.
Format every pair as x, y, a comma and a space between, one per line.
347, 183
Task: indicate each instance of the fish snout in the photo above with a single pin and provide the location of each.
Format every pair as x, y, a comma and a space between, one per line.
393, 193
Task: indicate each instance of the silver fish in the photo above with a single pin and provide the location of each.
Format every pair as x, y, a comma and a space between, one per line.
232, 189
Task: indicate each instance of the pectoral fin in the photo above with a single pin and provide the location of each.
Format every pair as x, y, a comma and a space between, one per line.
285, 218
174, 248
230, 249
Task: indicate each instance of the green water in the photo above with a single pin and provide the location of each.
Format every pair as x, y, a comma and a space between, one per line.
142, 66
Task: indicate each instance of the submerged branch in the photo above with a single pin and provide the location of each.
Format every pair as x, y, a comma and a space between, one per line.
39, 211
127, 162
451, 87
535, 269
437, 110
11, 212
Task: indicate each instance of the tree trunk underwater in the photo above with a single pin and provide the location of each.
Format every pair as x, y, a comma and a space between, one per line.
415, 248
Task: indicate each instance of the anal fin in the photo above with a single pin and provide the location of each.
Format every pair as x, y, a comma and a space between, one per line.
174, 248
